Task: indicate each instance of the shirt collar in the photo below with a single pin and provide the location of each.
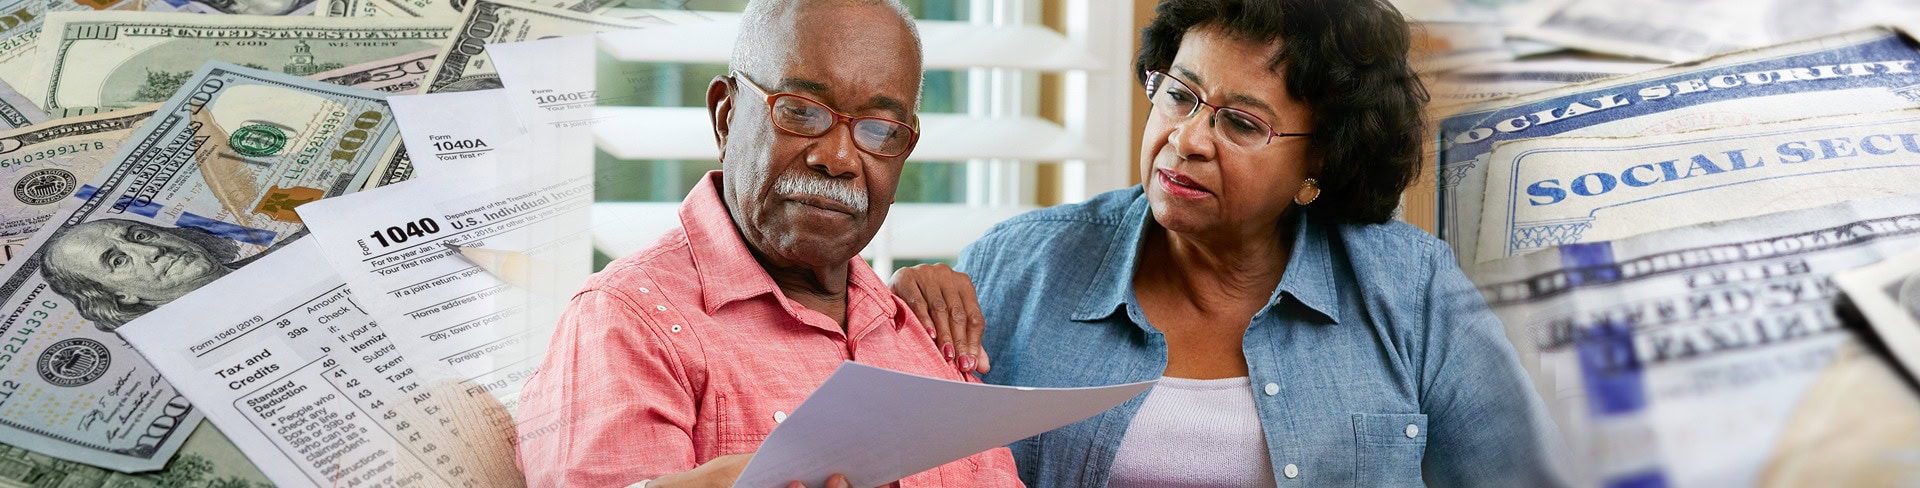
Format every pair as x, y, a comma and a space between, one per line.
728, 271
1112, 284
1309, 277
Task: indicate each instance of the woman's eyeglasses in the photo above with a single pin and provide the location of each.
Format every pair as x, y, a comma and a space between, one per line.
806, 117
1175, 100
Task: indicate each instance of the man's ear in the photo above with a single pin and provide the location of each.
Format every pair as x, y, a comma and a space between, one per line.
720, 110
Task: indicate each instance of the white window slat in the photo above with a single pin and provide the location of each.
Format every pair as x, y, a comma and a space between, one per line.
949, 45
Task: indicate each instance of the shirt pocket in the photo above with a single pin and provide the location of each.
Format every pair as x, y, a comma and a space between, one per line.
741, 429
1389, 448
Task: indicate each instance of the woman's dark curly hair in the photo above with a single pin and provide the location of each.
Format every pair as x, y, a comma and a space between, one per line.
1347, 60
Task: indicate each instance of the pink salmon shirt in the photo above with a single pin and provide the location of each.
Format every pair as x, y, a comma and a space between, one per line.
687, 351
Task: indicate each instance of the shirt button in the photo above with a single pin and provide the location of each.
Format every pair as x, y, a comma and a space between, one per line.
1413, 431
676, 328
644, 290
779, 417
1273, 389
662, 308
1291, 471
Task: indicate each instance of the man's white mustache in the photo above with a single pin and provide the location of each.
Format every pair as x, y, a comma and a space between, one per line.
807, 184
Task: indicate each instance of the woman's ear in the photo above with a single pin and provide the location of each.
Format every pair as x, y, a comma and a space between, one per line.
1316, 159
720, 110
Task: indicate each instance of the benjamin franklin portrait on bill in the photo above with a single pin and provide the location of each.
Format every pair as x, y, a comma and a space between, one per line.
115, 270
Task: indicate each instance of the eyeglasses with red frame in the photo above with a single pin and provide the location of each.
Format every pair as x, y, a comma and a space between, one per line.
806, 117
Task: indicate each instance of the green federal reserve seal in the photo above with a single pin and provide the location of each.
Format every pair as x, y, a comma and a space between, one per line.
257, 140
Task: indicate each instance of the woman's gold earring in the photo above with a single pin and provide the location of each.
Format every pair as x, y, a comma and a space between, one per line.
1308, 193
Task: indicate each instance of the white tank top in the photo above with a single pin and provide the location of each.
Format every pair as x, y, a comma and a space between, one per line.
1194, 433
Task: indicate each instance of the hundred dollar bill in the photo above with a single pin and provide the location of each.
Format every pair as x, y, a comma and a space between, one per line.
16, 111
1887, 295
242, 7
17, 16
464, 65
1862, 71
395, 8
1680, 31
1562, 190
44, 165
208, 459
399, 74
209, 183
19, 26
445, 8
11, 246
94, 61
20, 22
395, 168
1676, 357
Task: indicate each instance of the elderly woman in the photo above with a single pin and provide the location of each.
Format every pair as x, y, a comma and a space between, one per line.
1297, 333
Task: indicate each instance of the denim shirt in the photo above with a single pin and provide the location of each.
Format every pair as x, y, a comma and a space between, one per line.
1373, 357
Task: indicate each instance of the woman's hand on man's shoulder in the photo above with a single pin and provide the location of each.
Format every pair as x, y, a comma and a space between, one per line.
944, 301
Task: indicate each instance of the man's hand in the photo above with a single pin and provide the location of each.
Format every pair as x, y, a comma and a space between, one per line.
835, 481
717, 473
722, 471
943, 300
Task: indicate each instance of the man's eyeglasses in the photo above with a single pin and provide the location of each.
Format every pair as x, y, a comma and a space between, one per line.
806, 117
1175, 100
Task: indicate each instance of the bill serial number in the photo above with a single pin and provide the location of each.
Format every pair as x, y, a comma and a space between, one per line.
51, 152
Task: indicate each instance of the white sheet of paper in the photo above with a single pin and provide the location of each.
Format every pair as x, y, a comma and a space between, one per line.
284, 361
551, 86
458, 134
881, 425
390, 243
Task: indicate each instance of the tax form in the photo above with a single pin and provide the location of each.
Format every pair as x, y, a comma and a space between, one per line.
551, 88
458, 134
391, 243
285, 361
528, 196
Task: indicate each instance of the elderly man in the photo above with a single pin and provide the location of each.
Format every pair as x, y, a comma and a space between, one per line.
674, 363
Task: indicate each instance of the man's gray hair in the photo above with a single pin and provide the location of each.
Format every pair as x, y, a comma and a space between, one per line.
767, 32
